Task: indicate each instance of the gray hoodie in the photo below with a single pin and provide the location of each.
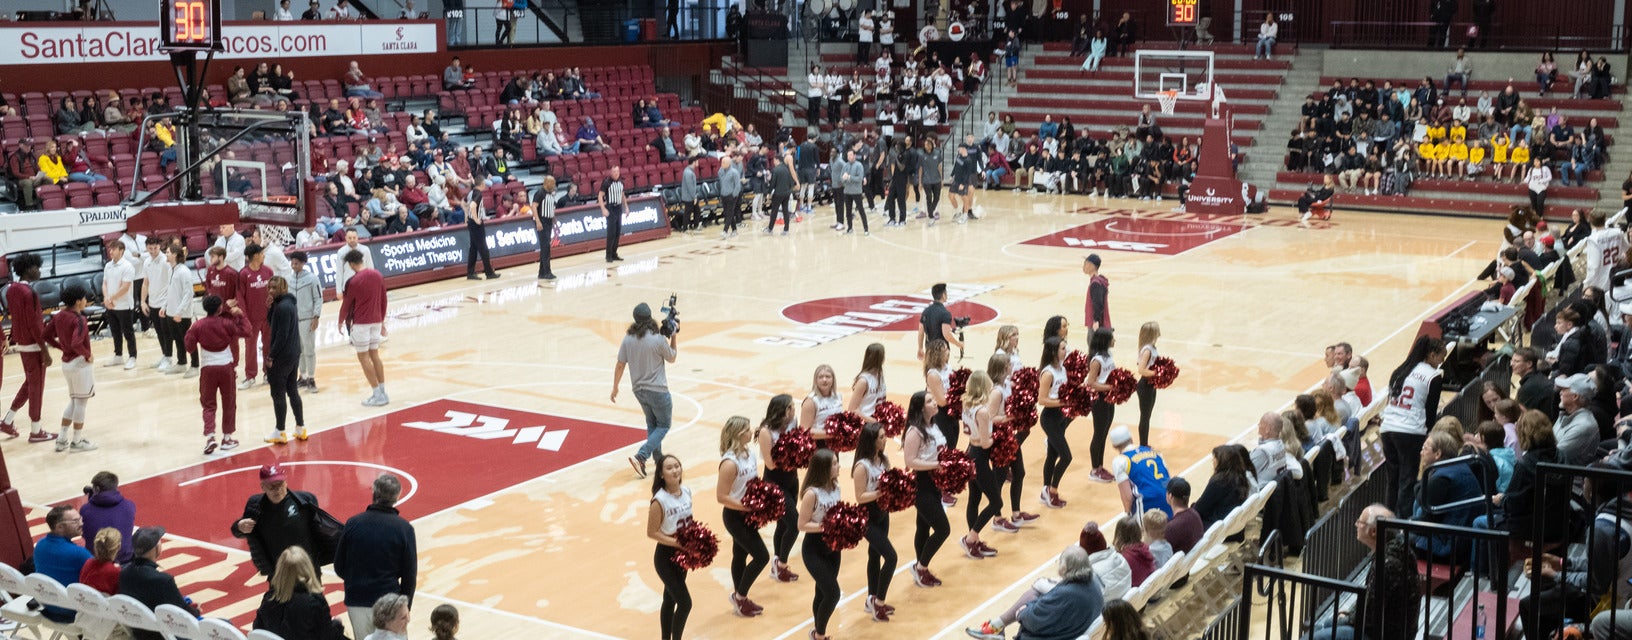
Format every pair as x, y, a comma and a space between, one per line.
308, 292
857, 173
688, 185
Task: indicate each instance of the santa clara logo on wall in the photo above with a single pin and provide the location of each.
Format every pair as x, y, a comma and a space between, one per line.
828, 319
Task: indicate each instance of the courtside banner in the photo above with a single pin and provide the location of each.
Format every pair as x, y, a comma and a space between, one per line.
101, 42
578, 229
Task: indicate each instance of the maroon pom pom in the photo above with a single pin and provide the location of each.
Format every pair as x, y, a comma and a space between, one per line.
844, 526
1165, 373
1005, 446
954, 473
1076, 399
897, 490
763, 503
793, 449
1021, 407
698, 545
1076, 366
955, 384
891, 417
1122, 383
843, 429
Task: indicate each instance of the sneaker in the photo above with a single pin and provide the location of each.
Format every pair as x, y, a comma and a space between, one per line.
130, 364
62, 445
948, 500
311, 385
1003, 525
1021, 518
116, 361
81, 445
9, 429
175, 369
923, 578
985, 632
373, 401
192, 372
639, 465
737, 607
971, 551
1304, 218
209, 445
1099, 474
247, 383
277, 437
162, 364
384, 399
782, 573
41, 436
880, 615
986, 549
492, 276
785, 231
228, 443
300, 434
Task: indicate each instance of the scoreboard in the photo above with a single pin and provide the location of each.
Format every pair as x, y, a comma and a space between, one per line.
1183, 13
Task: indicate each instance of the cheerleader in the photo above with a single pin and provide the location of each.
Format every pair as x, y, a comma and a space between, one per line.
977, 420
739, 462
1147, 391
824, 401
671, 504
819, 493
869, 465
1099, 370
868, 387
937, 377
1000, 369
1050, 376
778, 417
920, 451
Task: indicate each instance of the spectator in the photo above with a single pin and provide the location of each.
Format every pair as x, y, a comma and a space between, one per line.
453, 77
1493, 438
283, 14
1063, 608
1320, 195
388, 618
589, 138
143, 580
1518, 515
1572, 354
294, 606
277, 519
1130, 543
1267, 34
1576, 432
105, 508
1110, 567
1535, 390
1231, 483
377, 556
343, 11
80, 164
1124, 34
57, 556
1391, 590
1154, 525
1461, 71
1140, 474
1450, 485
101, 572
445, 622
1601, 78
1123, 622
1185, 528
1271, 457
69, 120
312, 12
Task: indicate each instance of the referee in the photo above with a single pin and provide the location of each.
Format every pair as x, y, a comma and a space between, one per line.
611, 199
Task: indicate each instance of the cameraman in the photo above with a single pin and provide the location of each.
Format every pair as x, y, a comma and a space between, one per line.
936, 322
644, 351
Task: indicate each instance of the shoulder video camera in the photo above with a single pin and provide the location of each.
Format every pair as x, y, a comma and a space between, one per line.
671, 317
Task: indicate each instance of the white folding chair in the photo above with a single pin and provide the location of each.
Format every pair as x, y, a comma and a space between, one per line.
17, 608
132, 613
1204, 550
46, 590
93, 616
262, 634
218, 629
176, 622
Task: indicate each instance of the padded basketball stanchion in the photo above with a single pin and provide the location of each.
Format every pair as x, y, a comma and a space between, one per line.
1215, 188
15, 543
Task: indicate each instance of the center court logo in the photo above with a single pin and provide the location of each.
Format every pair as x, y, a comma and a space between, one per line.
828, 319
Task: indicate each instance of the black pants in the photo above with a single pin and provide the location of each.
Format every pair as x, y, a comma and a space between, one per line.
1402, 453
835, 111
502, 31
838, 205
161, 329
986, 485
932, 526
1538, 201
281, 378
120, 323
544, 252
779, 206
476, 235
142, 321
176, 334
676, 596
748, 553
932, 198
1437, 34
880, 552
823, 564
949, 426
857, 110
1059, 451
813, 111
1103, 413
614, 229
895, 202
1147, 403
1017, 470
853, 208
731, 212
787, 528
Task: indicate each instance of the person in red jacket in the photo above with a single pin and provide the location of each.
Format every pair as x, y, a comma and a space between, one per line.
28, 340
1098, 307
68, 333
252, 300
221, 280
362, 316
215, 336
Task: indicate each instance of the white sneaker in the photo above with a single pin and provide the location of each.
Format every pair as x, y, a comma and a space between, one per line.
192, 372
247, 383
373, 400
162, 364
1304, 217
130, 364
384, 399
115, 361
81, 445
277, 437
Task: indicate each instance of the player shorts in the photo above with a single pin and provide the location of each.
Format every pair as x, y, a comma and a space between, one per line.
959, 189
367, 337
81, 382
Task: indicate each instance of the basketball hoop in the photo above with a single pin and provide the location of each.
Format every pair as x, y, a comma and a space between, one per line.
1169, 100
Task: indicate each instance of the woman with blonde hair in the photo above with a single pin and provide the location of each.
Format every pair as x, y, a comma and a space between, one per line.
739, 463
1008, 346
977, 420
1148, 333
868, 387
294, 607
937, 381
101, 572
823, 402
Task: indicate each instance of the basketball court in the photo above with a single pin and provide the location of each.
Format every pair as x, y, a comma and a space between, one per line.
530, 520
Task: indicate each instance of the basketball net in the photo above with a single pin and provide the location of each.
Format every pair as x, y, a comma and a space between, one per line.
1169, 100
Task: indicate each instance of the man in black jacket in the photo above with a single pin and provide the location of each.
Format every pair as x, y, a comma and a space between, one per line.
1535, 390
377, 555
276, 519
143, 580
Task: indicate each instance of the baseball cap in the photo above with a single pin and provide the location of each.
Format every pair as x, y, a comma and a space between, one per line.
272, 473
145, 539
1120, 436
1579, 384
643, 312
1350, 376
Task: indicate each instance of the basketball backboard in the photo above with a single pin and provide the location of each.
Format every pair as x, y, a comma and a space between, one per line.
257, 160
1189, 73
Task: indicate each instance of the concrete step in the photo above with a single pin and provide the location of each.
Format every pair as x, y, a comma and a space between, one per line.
1251, 93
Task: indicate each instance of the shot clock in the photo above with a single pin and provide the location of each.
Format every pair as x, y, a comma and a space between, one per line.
190, 25
1182, 13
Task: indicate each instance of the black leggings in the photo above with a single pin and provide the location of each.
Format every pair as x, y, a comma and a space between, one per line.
932, 197
748, 554
1147, 402
880, 553
1059, 451
281, 378
121, 325
787, 529
949, 426
676, 597
823, 564
1103, 413
1402, 454
933, 528
1017, 470
984, 484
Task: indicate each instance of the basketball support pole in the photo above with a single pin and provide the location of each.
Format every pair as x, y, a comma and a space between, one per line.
190, 76
1215, 189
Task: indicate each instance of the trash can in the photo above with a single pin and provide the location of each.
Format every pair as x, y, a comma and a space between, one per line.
648, 29
631, 30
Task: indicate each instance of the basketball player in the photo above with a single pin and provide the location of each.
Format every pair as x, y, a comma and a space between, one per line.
1606, 247
342, 270
28, 340
870, 463
1146, 390
118, 284
920, 451
1141, 475
253, 281
1413, 406
977, 420
67, 331
220, 279
819, 493
1098, 307
362, 317
670, 505
739, 463
214, 337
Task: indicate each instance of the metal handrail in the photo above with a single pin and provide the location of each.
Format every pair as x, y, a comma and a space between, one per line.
1530, 37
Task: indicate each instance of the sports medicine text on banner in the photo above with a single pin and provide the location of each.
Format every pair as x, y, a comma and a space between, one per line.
21, 43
